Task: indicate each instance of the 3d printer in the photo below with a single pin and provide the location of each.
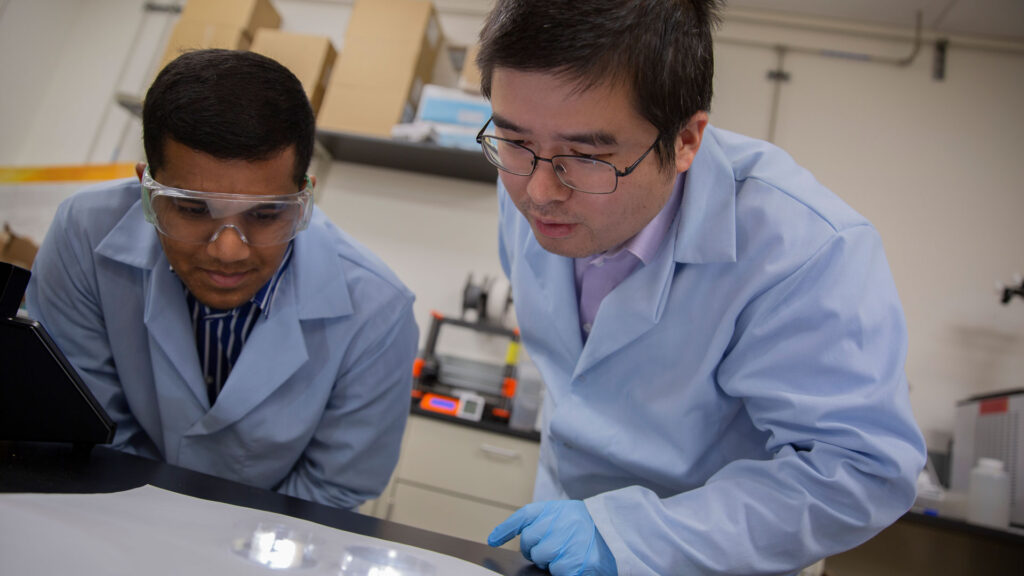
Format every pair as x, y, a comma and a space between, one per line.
462, 387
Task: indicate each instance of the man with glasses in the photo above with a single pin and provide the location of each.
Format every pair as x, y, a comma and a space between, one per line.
719, 335
224, 323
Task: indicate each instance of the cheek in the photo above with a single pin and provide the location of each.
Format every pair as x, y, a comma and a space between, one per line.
515, 185
267, 257
180, 256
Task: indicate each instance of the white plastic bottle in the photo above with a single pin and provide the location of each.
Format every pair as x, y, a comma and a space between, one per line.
988, 496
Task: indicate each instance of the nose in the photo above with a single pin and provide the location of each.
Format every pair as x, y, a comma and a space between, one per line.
228, 245
544, 186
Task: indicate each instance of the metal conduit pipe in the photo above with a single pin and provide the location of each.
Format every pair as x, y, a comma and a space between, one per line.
779, 75
829, 53
872, 32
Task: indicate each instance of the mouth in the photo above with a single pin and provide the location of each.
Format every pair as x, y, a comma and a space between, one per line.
226, 280
553, 229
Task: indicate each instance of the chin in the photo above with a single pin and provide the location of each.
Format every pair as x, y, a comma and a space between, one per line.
222, 300
562, 248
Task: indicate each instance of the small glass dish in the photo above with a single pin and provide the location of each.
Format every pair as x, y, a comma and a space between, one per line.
276, 546
368, 561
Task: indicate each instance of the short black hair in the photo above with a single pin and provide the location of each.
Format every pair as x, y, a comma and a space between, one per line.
230, 104
660, 49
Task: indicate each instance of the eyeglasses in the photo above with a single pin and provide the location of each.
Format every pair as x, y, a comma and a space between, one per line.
580, 173
200, 217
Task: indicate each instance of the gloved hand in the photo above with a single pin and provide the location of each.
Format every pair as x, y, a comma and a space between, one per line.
558, 535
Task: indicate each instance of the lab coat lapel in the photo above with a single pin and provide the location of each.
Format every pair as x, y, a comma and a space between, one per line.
550, 303
631, 309
175, 359
272, 354
134, 242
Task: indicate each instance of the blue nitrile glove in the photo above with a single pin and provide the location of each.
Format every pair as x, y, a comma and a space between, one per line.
558, 535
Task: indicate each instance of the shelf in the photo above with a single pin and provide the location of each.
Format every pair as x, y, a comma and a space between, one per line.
410, 156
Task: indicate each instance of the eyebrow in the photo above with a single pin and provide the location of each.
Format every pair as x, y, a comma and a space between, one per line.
597, 138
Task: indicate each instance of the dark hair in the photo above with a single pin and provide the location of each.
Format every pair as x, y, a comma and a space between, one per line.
660, 49
231, 105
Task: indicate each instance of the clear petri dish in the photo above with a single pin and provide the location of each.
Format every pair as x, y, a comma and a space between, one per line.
276, 546
370, 561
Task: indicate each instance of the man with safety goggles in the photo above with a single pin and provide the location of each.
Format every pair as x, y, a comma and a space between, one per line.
200, 217
222, 321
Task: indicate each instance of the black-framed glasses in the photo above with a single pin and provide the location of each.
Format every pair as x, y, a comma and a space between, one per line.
580, 173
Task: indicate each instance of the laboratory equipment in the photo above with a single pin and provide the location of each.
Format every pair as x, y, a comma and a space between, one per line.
991, 426
1008, 291
42, 397
462, 387
988, 496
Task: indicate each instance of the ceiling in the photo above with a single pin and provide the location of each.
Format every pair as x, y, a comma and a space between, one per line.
990, 18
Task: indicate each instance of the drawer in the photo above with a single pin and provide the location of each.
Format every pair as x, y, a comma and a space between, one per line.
447, 514
481, 464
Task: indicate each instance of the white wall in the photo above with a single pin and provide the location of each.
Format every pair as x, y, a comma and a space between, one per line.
933, 164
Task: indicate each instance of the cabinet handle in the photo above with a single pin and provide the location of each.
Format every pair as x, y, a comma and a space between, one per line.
500, 452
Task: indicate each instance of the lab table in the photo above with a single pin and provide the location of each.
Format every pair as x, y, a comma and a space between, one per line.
60, 468
923, 545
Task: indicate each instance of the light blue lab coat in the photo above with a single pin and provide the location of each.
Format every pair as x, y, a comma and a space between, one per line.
740, 406
315, 406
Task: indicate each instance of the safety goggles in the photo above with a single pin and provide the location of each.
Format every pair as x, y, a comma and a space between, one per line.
199, 217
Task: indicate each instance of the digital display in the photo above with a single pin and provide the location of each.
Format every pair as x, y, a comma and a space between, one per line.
469, 406
442, 403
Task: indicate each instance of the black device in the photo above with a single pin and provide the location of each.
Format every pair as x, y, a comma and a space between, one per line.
42, 397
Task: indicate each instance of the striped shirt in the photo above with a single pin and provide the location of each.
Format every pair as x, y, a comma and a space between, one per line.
220, 334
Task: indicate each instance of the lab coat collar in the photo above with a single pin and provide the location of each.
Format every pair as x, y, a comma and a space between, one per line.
707, 230
132, 241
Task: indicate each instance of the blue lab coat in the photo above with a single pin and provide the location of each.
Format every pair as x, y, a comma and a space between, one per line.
315, 406
740, 406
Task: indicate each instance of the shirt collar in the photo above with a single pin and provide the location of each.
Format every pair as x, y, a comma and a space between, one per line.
264, 297
644, 244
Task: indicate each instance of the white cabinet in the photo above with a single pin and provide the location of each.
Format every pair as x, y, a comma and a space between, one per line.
457, 480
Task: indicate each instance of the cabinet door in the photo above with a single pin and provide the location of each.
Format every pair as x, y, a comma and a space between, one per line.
484, 465
438, 512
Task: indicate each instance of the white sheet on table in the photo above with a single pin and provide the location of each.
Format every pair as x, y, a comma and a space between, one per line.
153, 531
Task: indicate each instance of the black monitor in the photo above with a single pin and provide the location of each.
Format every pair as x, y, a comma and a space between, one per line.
42, 397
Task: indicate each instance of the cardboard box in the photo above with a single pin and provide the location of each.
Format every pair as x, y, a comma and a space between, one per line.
310, 58
17, 250
249, 15
364, 110
469, 78
193, 35
391, 47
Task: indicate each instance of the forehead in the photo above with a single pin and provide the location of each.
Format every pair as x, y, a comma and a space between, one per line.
546, 102
190, 169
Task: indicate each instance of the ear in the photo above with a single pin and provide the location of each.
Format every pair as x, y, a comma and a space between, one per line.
312, 180
140, 167
688, 141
